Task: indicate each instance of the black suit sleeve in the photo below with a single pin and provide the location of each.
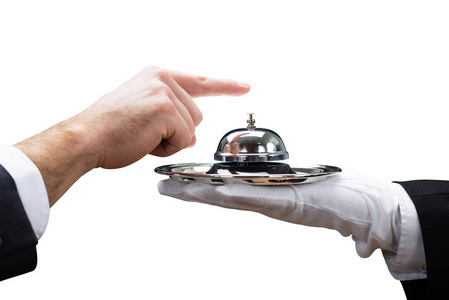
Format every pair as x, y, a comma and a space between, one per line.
17, 239
431, 199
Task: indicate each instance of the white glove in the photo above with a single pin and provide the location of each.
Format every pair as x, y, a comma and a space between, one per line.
351, 203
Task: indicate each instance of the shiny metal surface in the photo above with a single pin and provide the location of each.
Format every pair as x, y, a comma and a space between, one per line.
192, 172
245, 156
251, 144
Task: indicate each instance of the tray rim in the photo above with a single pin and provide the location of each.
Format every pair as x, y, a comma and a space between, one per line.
327, 171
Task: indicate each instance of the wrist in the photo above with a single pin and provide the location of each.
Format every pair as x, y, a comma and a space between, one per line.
62, 153
408, 261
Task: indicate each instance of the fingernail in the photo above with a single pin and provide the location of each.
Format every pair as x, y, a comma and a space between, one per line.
245, 84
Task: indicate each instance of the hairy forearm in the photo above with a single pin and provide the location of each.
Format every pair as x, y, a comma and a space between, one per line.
153, 112
62, 153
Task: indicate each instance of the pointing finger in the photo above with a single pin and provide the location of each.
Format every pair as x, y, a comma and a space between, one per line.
200, 86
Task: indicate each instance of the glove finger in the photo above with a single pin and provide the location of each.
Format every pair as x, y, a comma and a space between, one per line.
196, 192
210, 194
258, 197
171, 188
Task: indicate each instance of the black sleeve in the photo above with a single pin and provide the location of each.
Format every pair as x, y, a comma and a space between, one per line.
431, 199
17, 239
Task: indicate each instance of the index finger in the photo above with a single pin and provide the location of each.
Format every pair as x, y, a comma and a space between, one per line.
200, 86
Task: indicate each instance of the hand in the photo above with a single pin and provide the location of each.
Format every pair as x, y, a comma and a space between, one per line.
152, 113
350, 203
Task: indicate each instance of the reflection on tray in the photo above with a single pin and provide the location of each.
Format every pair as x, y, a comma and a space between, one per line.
254, 174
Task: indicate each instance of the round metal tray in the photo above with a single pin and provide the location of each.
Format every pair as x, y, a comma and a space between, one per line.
197, 172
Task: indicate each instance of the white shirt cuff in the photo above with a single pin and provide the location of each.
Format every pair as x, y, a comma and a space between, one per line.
30, 186
409, 262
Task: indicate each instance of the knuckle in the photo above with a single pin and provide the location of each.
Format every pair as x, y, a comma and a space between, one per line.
162, 88
167, 107
151, 69
187, 141
148, 71
156, 72
203, 83
197, 118
201, 79
159, 73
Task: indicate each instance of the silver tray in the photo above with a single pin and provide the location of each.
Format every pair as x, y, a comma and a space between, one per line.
196, 172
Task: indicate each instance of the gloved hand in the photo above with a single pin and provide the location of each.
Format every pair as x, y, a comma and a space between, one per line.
349, 202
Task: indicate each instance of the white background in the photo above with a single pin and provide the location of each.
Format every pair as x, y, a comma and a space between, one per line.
357, 84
